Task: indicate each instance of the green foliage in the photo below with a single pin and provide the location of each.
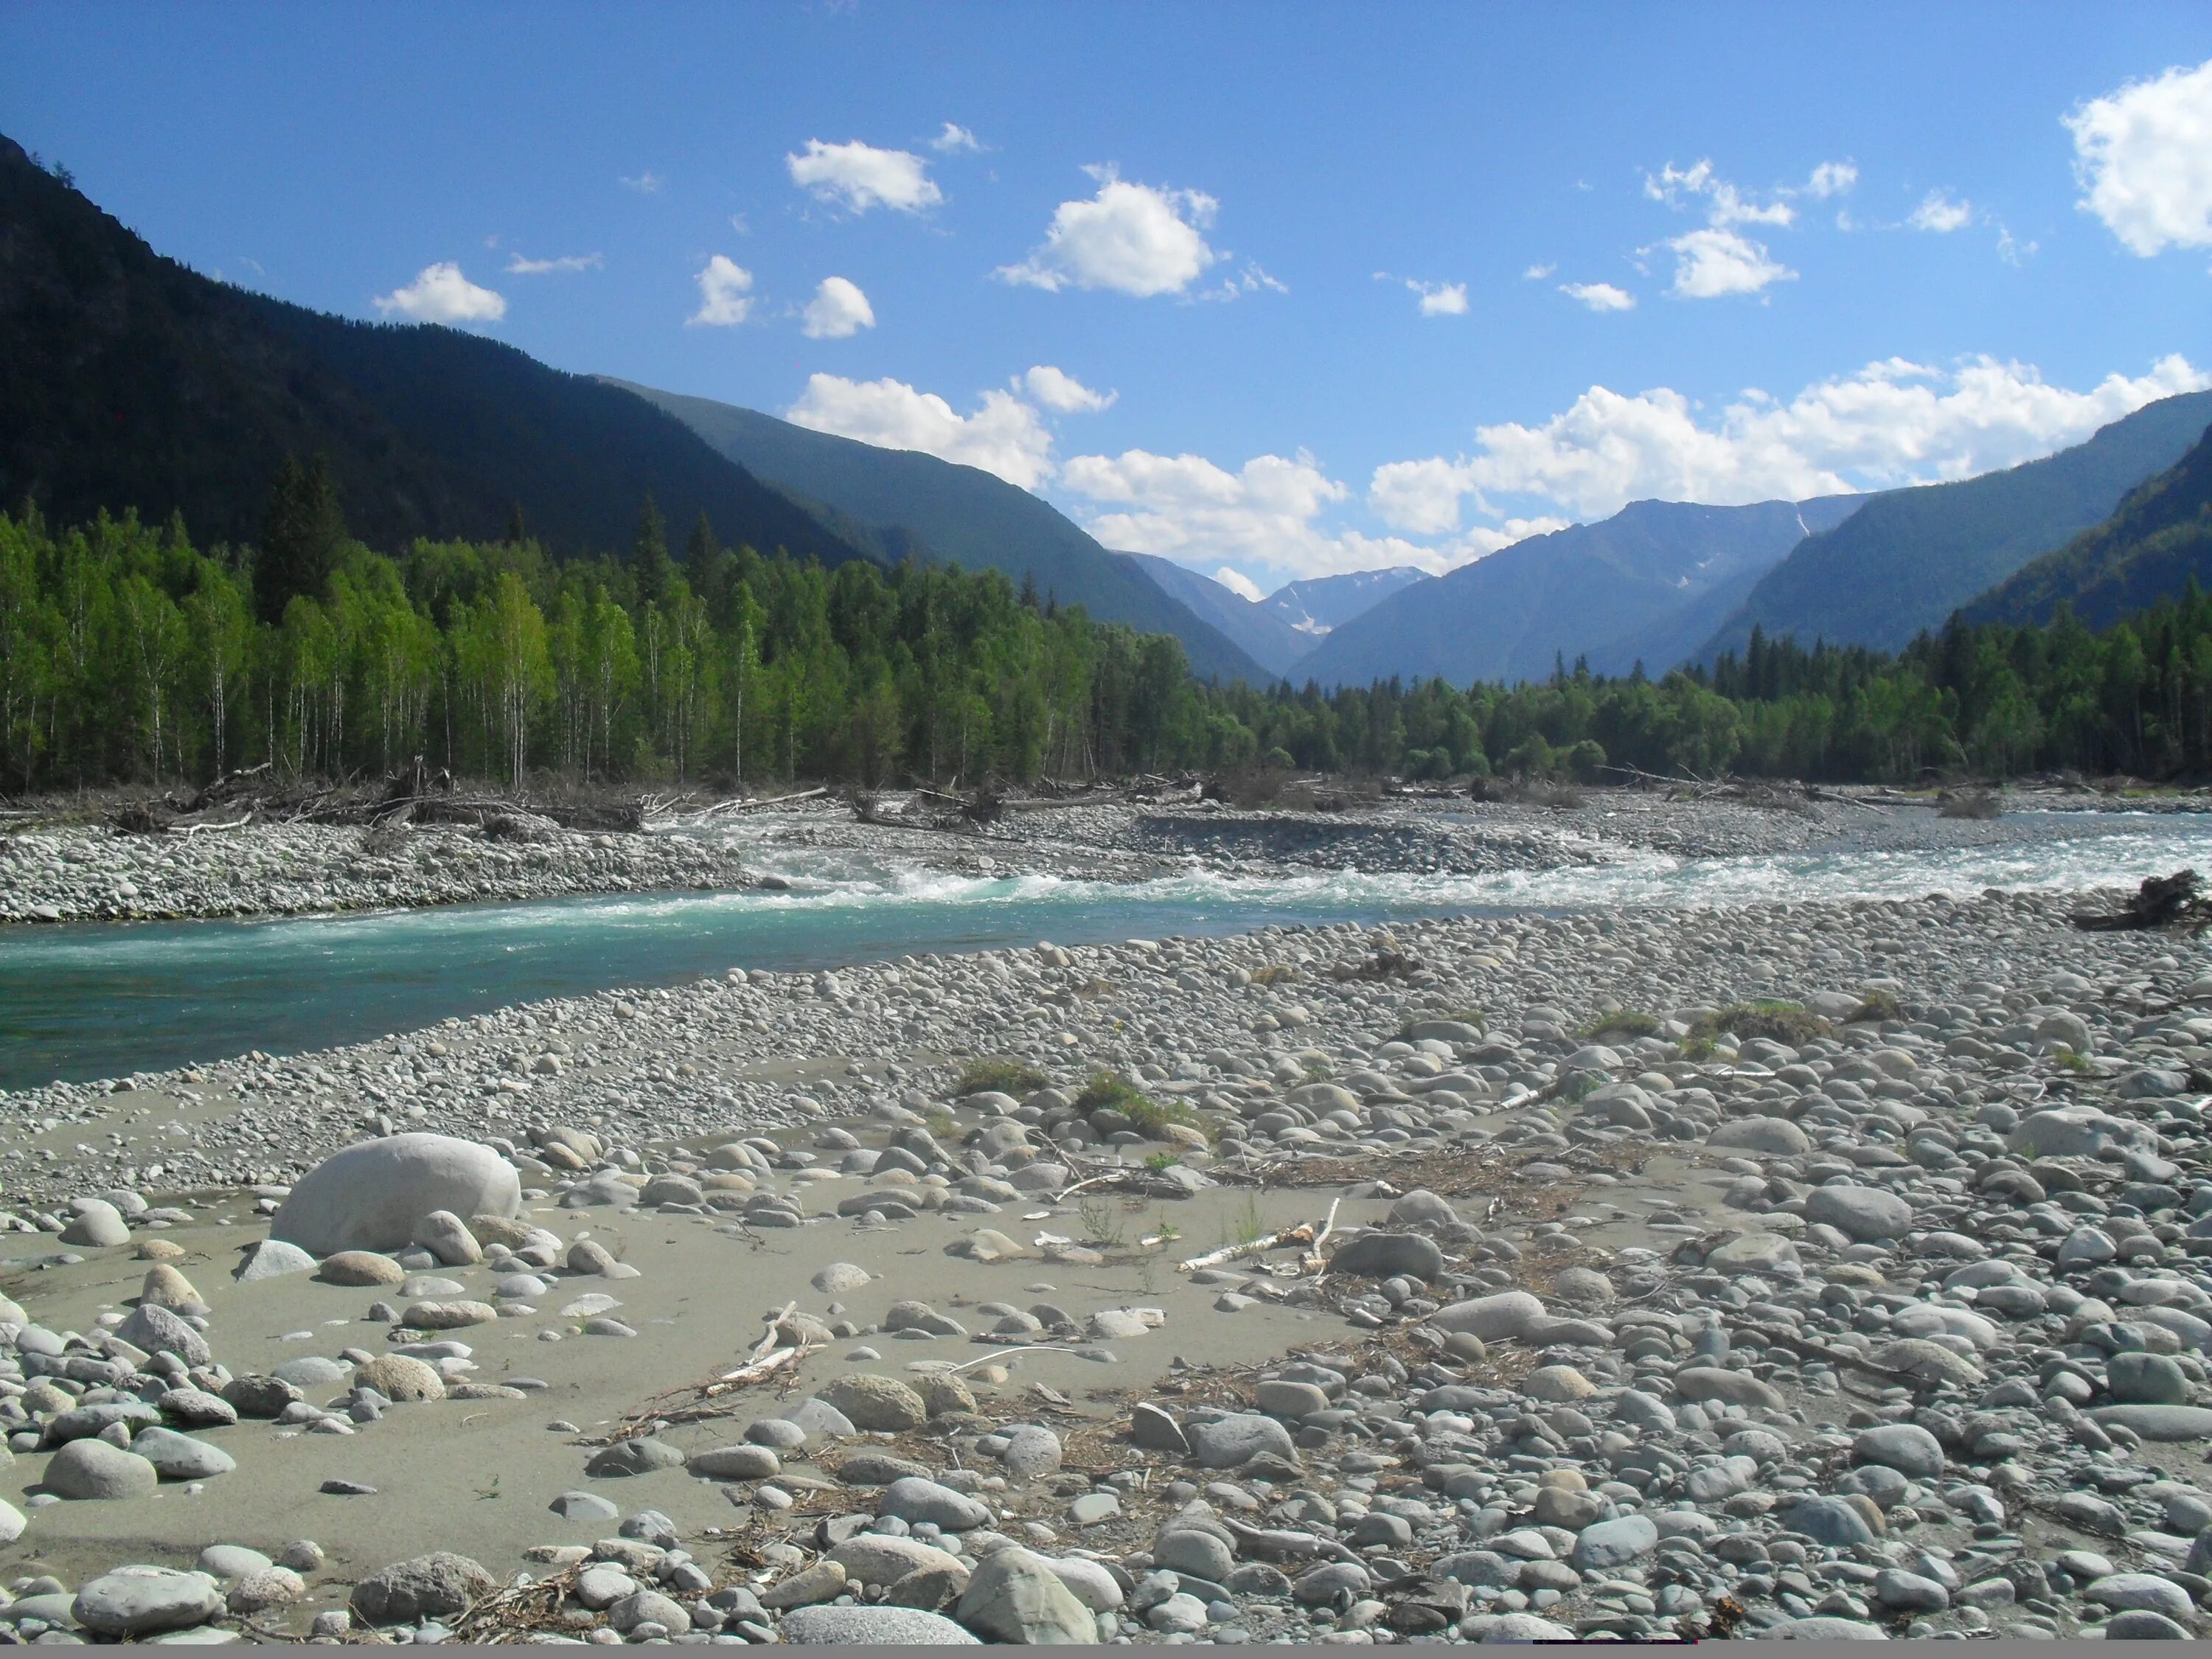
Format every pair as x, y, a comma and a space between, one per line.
1778, 1021
1621, 1023
1113, 1091
1876, 1008
1007, 1076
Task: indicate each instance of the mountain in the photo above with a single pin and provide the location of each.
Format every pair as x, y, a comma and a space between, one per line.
127, 379
1906, 560
1257, 631
912, 502
1320, 604
1636, 585
2147, 550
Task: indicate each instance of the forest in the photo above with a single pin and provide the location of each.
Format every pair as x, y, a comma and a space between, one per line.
130, 654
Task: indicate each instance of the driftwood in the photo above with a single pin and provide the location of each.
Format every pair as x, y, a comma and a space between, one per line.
1303, 1233
2173, 900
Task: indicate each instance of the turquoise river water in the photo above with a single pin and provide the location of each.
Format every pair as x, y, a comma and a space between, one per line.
106, 999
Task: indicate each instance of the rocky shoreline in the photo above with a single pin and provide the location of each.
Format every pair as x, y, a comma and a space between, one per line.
74, 872
1819, 1269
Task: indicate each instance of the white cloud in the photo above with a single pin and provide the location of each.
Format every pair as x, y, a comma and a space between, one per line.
1132, 239
645, 184
1266, 514
1710, 263
838, 310
857, 177
1537, 273
1005, 436
1724, 204
955, 141
1937, 212
1239, 584
2144, 160
723, 286
1831, 179
1599, 297
439, 294
1893, 423
1064, 394
518, 266
1440, 299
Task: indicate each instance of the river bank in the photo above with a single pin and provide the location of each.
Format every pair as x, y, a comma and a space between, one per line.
55, 871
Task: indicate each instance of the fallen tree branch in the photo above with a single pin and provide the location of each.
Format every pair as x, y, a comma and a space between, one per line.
1303, 1233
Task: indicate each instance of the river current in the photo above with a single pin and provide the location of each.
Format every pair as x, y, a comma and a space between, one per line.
106, 999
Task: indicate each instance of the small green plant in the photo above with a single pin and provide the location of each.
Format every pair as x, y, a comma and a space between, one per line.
1102, 1223
1010, 1077
940, 1124
1161, 1162
1111, 1092
1274, 972
1624, 1023
1243, 1225
1778, 1021
1167, 1230
1877, 1007
2071, 1060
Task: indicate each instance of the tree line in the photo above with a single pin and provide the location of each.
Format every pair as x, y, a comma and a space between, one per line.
127, 653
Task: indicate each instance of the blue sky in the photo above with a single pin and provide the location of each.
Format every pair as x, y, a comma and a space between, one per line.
1363, 286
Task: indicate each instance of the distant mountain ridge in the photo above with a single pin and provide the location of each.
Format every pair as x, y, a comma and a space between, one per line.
2160, 538
1319, 605
129, 380
905, 502
1645, 584
1260, 633
1909, 558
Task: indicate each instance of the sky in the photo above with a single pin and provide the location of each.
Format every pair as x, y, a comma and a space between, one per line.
1277, 291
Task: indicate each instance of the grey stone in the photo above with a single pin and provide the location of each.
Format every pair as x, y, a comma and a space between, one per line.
1032, 1452
432, 1586
1908, 1592
832, 1626
1016, 1596
876, 1559
2127, 1591
1862, 1213
1776, 1135
93, 1469
271, 1258
2142, 1625
1186, 1550
1385, 1255
179, 1457
875, 1403
586, 1506
1231, 1442
736, 1463
649, 1606
1825, 1628
159, 1330
1501, 1317
373, 1195
1753, 1253
2160, 1422
627, 1457
1516, 1629
138, 1600
914, 1500
1611, 1544
97, 1224
195, 1408
1703, 1383
2146, 1379
1905, 1447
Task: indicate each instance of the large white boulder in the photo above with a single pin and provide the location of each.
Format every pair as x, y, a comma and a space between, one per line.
374, 1196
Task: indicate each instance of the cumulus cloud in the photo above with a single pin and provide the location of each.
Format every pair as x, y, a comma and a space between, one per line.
1711, 264
518, 266
439, 294
2143, 156
1599, 297
1938, 213
1537, 273
1239, 584
1891, 423
645, 184
1063, 394
1266, 514
857, 177
1831, 179
1133, 238
1724, 204
955, 141
1004, 435
724, 285
837, 311
1440, 299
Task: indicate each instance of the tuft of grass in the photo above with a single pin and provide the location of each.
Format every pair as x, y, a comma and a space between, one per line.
940, 1124
1160, 1162
1878, 1006
1244, 1224
1275, 973
2071, 1060
1778, 1021
1621, 1023
1010, 1077
1102, 1223
1110, 1089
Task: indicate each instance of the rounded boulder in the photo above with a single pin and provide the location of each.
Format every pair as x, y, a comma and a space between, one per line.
373, 1196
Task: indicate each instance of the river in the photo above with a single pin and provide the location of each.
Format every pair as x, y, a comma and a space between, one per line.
106, 999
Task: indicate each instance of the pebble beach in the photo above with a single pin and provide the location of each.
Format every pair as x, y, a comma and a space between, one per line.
1819, 1268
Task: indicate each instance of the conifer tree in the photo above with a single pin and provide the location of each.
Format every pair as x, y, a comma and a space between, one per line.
301, 536
648, 555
